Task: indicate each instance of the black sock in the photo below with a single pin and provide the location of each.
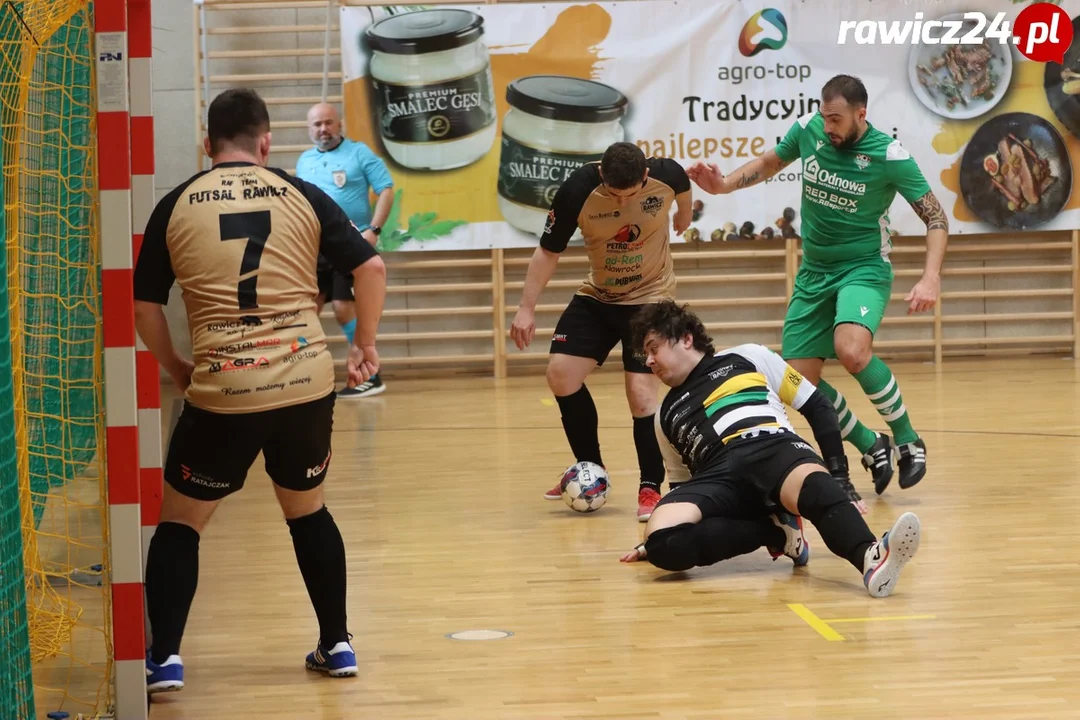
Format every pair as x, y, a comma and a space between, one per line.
709, 541
580, 421
650, 459
172, 574
845, 532
320, 553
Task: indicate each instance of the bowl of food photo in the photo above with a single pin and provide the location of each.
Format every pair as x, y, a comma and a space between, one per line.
1015, 172
960, 80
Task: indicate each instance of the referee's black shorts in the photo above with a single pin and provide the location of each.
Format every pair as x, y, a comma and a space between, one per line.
334, 285
211, 453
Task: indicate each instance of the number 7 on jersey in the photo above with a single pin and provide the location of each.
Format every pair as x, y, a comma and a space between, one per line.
255, 228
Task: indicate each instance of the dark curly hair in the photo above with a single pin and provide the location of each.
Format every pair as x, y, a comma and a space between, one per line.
671, 322
623, 166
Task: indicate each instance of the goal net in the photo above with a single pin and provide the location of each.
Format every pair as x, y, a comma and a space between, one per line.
54, 598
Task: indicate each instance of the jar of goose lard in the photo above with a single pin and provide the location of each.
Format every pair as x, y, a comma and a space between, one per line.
555, 125
431, 74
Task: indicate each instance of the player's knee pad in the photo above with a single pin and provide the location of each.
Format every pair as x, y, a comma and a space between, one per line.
672, 548
820, 495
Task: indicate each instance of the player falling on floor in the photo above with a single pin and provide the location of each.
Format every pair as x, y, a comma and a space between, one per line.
851, 172
723, 420
621, 205
242, 241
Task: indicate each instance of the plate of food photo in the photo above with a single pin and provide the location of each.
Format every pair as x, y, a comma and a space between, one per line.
960, 81
1016, 172
1062, 84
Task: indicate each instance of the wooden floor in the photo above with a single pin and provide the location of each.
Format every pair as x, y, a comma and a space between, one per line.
437, 488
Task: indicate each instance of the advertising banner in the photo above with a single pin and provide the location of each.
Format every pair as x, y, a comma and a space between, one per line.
479, 112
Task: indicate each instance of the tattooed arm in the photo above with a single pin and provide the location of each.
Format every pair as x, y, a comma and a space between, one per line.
709, 178
925, 293
931, 213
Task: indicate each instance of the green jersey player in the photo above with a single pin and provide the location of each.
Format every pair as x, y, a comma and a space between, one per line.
851, 172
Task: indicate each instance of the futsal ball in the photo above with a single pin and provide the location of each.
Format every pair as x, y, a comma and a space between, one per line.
585, 487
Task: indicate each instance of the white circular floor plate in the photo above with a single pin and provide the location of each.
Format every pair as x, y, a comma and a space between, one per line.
479, 635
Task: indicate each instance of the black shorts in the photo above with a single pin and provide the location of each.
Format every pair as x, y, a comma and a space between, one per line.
717, 494
590, 328
745, 481
334, 285
210, 453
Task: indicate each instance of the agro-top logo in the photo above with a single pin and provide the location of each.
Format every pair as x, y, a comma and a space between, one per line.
765, 30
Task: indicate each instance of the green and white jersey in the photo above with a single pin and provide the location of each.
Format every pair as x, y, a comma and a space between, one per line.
847, 193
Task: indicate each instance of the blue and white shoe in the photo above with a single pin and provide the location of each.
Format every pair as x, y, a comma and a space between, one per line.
796, 547
166, 677
887, 557
339, 661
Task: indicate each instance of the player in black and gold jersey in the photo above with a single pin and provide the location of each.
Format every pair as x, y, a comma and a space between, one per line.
723, 420
621, 206
242, 241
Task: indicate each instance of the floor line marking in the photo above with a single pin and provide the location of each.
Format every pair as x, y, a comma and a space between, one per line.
883, 618
815, 622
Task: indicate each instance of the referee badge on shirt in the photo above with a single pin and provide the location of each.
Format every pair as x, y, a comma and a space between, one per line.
339, 178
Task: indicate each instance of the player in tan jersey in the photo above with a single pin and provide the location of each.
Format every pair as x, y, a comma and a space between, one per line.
622, 206
243, 241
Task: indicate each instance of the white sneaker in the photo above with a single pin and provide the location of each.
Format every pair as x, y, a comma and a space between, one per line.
887, 557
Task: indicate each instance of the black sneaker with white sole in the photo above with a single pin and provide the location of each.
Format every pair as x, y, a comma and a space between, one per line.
879, 461
374, 386
912, 463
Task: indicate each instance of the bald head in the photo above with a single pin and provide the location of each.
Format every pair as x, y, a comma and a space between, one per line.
324, 126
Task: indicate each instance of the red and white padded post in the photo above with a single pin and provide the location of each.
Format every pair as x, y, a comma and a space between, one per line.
147, 375
118, 329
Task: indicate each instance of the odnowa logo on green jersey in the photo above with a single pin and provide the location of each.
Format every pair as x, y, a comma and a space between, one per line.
765, 30
813, 172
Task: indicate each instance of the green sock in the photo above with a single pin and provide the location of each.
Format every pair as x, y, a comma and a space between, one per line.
880, 386
851, 429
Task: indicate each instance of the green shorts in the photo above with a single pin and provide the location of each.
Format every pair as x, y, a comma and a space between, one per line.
822, 300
